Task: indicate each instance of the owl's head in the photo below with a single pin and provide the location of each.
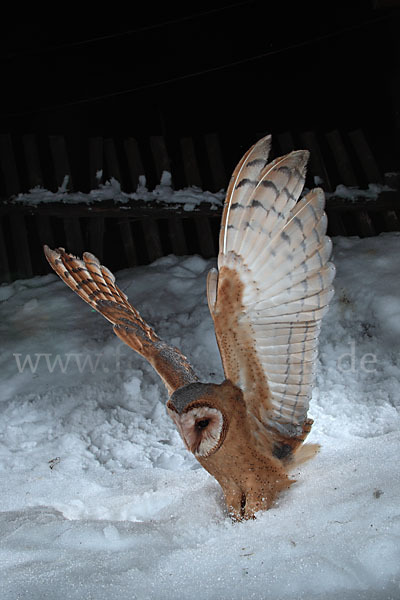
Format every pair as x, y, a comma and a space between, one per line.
200, 415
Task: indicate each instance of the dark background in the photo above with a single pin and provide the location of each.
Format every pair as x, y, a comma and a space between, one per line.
75, 88
244, 68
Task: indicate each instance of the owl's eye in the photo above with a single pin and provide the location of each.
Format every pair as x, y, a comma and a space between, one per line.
202, 424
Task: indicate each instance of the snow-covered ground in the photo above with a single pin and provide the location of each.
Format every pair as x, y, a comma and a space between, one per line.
100, 500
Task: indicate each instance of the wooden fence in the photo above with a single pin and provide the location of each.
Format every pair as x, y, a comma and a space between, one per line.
139, 232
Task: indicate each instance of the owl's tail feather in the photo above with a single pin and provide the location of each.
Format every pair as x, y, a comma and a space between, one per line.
95, 284
303, 454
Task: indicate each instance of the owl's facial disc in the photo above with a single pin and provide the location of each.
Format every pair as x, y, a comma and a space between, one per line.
202, 430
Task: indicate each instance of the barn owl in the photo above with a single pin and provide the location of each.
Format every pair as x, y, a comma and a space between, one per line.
267, 298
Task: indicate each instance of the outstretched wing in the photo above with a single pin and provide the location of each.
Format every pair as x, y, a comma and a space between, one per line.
272, 287
95, 284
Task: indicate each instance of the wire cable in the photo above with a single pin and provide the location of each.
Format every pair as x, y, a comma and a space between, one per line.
178, 78
129, 32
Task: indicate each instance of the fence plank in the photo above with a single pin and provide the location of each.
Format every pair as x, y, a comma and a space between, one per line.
96, 236
73, 235
391, 217
45, 230
160, 155
59, 154
392, 180
206, 238
391, 220
8, 166
342, 159
286, 142
177, 236
111, 160
365, 227
95, 161
335, 223
128, 243
134, 159
21, 245
152, 239
34, 171
216, 162
364, 153
368, 217
316, 164
190, 164
5, 275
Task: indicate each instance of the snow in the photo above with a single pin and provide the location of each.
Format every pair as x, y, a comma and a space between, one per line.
352, 193
99, 498
190, 197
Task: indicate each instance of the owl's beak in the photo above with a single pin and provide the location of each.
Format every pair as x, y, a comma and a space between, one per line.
176, 420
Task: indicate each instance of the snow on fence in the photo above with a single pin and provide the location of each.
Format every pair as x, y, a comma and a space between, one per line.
126, 229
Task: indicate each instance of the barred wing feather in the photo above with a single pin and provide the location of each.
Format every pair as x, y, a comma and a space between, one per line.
272, 287
95, 284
